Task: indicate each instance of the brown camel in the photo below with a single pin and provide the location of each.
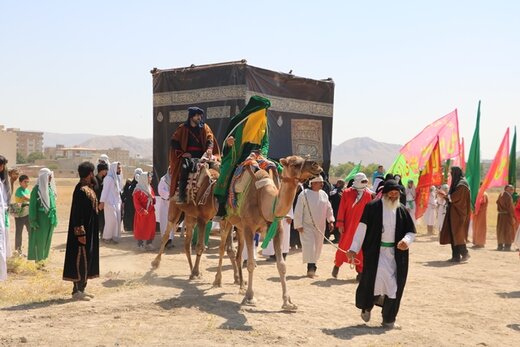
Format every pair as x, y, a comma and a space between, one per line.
199, 213
262, 201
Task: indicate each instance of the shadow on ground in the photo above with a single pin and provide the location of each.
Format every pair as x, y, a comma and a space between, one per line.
348, 333
192, 296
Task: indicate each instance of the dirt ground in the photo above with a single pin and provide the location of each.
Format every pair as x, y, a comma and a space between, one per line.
443, 305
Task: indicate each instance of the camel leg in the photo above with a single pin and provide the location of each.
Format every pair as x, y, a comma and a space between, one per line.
201, 223
240, 248
188, 224
280, 264
173, 219
224, 235
232, 255
248, 239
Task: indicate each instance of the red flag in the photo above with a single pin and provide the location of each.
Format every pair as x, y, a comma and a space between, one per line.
460, 161
431, 175
498, 171
444, 130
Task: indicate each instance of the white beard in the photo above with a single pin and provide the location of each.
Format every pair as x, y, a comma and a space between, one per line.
389, 204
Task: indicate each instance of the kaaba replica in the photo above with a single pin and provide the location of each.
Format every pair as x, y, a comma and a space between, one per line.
300, 118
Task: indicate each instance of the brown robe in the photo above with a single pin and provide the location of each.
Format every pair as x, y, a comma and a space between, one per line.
456, 222
480, 223
506, 219
181, 135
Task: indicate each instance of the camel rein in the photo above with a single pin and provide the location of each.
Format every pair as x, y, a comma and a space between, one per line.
354, 261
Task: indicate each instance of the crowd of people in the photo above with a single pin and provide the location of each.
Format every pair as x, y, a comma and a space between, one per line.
370, 222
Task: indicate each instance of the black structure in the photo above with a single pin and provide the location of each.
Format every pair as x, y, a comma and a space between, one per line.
300, 118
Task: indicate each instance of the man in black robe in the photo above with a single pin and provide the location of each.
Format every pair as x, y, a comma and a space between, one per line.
384, 233
128, 201
82, 252
102, 171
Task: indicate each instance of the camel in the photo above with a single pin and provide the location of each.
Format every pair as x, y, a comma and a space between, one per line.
199, 210
262, 201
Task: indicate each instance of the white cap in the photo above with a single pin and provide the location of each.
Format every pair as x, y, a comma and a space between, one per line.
317, 179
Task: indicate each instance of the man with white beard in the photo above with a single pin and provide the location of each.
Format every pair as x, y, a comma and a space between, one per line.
384, 233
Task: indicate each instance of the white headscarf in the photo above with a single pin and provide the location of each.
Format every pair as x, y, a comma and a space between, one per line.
112, 172
103, 158
138, 171
358, 181
43, 187
144, 186
360, 184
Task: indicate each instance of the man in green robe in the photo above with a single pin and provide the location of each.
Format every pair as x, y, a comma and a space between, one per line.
42, 216
247, 131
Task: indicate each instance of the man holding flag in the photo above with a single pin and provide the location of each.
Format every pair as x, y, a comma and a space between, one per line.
456, 223
247, 132
506, 219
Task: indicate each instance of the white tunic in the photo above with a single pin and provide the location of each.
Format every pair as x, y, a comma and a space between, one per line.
386, 276
429, 215
4, 241
441, 212
313, 227
286, 227
162, 204
410, 201
111, 197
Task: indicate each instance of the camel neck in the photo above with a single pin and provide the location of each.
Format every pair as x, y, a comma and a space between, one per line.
285, 197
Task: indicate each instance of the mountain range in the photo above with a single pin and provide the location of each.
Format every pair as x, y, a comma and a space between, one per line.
366, 150
357, 149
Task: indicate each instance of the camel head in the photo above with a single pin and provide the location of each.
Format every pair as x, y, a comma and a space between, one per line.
298, 168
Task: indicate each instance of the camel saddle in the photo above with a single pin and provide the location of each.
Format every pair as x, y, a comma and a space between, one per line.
196, 179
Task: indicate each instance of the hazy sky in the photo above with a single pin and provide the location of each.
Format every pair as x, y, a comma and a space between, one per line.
398, 65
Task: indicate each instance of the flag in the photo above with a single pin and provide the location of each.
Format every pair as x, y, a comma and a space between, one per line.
472, 173
497, 174
353, 172
512, 163
445, 130
460, 160
403, 168
431, 175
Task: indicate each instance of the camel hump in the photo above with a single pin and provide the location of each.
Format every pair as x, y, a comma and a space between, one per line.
260, 174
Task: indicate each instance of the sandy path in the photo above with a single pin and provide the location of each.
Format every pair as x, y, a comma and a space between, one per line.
469, 304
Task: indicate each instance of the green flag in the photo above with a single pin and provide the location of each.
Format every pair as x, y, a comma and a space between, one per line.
402, 167
353, 172
473, 166
512, 162
512, 167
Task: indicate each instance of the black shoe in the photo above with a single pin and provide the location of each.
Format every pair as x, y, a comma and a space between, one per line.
335, 271
454, 260
507, 248
221, 210
465, 257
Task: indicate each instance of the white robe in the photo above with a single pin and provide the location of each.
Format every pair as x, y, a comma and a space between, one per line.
162, 205
441, 212
429, 215
321, 210
4, 232
286, 227
410, 201
386, 276
111, 197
